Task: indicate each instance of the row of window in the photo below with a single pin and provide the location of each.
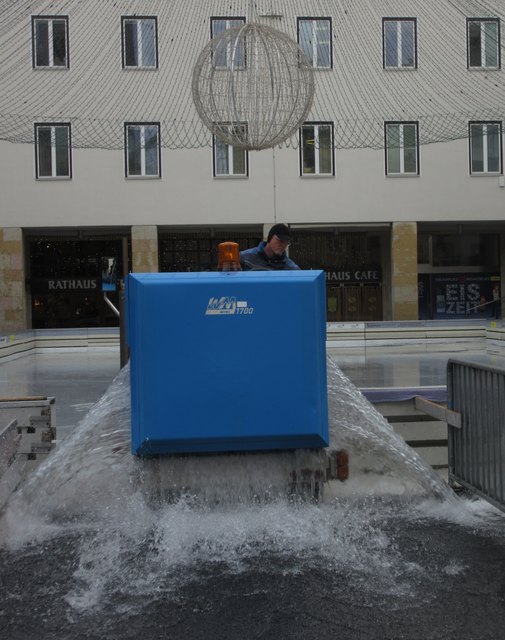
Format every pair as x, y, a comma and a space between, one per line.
399, 36
139, 37
142, 143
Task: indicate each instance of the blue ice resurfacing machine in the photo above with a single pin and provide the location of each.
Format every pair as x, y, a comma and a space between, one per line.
227, 361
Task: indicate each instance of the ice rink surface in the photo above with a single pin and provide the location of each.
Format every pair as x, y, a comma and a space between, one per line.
78, 379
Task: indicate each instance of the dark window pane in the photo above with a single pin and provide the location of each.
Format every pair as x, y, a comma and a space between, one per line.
325, 152
409, 136
238, 161
474, 44
41, 43
409, 144
221, 151
308, 150
228, 52
305, 37
134, 164
217, 27
59, 43
391, 44
491, 37
237, 52
240, 53
466, 249
44, 151
151, 151
131, 43
410, 161
62, 155
322, 30
408, 49
220, 55
239, 155
148, 43
393, 148
477, 147
493, 147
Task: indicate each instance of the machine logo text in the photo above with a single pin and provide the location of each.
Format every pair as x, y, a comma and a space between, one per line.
228, 306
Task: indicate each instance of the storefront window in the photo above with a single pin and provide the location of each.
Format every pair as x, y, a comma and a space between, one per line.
352, 262
459, 273
197, 251
468, 249
66, 283
423, 248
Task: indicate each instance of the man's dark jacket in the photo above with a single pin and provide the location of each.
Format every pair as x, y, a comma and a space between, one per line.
256, 258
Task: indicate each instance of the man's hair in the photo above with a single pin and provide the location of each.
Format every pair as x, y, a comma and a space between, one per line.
280, 230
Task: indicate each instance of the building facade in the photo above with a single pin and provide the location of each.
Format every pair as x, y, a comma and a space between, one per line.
393, 185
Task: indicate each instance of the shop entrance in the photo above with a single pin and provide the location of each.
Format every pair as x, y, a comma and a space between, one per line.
66, 279
352, 262
354, 303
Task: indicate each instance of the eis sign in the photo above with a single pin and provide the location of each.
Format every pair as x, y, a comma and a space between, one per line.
460, 296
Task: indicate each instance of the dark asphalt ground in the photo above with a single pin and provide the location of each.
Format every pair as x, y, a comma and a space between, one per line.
446, 581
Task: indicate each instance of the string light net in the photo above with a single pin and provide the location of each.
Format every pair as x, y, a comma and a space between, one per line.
356, 93
253, 86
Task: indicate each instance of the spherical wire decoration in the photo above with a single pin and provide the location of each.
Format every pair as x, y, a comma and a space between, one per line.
253, 86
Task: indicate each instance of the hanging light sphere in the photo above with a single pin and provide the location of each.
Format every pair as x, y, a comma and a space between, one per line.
253, 86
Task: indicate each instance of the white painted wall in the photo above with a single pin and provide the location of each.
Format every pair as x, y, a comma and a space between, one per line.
97, 86
99, 194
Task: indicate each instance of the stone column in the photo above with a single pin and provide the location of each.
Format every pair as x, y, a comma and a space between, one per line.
145, 249
404, 291
12, 280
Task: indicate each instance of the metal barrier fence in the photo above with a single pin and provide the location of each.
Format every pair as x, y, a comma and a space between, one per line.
476, 390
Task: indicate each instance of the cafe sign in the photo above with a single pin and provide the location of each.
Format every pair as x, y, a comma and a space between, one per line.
354, 275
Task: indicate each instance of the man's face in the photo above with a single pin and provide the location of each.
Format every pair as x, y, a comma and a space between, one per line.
279, 244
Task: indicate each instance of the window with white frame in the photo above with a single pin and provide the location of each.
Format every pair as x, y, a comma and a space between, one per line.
142, 150
483, 43
230, 160
485, 147
140, 42
399, 39
316, 149
314, 38
402, 148
50, 41
226, 55
52, 150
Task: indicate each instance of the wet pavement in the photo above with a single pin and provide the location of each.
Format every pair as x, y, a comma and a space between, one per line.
370, 568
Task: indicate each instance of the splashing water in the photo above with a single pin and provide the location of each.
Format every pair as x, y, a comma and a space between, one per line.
93, 468
380, 460
89, 490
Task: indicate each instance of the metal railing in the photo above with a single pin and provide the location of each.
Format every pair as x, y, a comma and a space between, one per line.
476, 390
